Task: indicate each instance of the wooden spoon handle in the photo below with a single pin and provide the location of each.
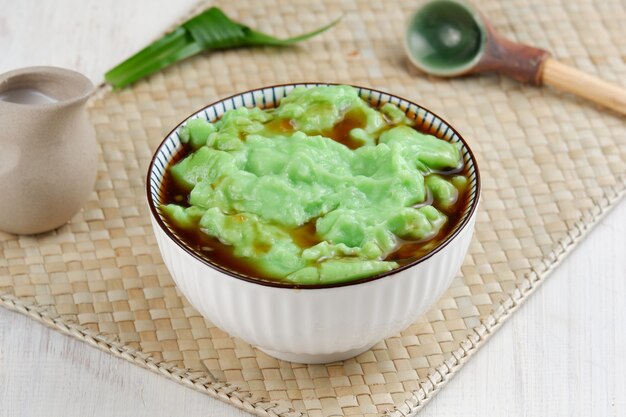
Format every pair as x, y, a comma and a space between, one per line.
572, 80
521, 62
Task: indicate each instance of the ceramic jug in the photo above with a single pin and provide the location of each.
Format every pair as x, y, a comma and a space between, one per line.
48, 151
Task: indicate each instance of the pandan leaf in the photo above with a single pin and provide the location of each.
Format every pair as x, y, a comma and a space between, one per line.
211, 29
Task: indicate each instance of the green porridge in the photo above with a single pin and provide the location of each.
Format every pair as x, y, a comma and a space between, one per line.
322, 189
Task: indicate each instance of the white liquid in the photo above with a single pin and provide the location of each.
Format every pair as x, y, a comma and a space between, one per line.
26, 96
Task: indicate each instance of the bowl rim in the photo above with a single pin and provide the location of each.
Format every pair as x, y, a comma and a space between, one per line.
288, 285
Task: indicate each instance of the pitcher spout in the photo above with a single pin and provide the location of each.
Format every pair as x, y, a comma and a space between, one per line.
43, 86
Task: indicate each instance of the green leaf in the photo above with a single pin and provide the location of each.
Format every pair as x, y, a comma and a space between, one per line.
169, 49
258, 38
214, 30
211, 29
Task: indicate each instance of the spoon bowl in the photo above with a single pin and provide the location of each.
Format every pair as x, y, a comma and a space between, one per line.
445, 38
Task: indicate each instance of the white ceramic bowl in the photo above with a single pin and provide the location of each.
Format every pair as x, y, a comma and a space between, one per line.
311, 324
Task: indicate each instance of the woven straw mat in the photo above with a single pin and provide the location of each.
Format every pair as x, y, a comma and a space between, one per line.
551, 166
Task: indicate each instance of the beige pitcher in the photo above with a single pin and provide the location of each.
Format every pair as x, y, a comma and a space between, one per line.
48, 152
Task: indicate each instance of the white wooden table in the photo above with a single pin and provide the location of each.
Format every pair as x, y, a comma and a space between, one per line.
553, 358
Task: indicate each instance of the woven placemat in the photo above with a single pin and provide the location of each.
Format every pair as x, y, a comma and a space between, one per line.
551, 166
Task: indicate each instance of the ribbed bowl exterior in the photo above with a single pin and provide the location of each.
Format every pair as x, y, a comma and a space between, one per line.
311, 325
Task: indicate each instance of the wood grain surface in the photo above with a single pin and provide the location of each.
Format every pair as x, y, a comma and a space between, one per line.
566, 78
553, 358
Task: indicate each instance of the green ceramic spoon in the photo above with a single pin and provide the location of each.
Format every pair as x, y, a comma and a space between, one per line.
448, 38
